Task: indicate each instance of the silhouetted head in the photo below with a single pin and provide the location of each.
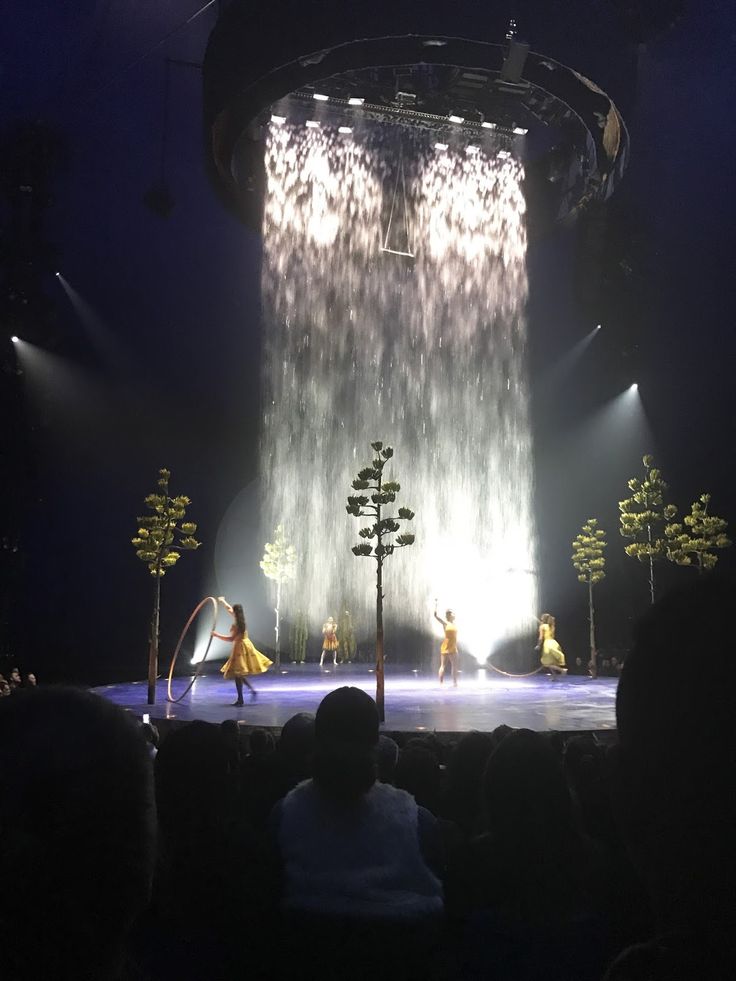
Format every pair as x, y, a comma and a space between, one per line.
464, 771
525, 796
77, 825
239, 618
418, 772
387, 757
296, 745
346, 736
677, 754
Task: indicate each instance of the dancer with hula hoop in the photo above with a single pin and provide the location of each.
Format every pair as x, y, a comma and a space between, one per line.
552, 656
244, 659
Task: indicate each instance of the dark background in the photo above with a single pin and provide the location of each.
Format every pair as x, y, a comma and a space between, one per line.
159, 363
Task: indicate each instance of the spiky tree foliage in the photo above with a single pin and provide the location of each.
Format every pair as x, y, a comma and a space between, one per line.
346, 635
298, 636
378, 537
162, 537
644, 516
694, 541
279, 565
590, 565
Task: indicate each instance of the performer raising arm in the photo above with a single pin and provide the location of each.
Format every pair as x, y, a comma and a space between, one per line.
448, 650
244, 659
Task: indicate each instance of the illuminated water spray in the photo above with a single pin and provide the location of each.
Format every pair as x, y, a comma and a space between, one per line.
425, 353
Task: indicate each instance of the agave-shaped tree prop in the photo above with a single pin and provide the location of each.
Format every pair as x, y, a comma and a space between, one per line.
644, 516
279, 565
693, 542
161, 538
378, 541
590, 565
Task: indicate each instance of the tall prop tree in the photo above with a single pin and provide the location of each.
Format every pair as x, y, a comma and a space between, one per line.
378, 541
590, 564
279, 565
346, 635
161, 538
695, 540
644, 516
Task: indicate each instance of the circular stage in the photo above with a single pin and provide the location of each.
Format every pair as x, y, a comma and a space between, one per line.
415, 702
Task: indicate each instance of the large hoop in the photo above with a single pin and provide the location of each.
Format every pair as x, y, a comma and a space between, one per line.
185, 631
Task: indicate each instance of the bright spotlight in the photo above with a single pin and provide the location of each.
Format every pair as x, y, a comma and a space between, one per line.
440, 146
355, 101
456, 119
344, 129
598, 326
14, 339
471, 149
487, 125
319, 97
520, 131
503, 154
279, 120
634, 387
312, 124
58, 275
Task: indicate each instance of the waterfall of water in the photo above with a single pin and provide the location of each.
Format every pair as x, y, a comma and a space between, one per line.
424, 353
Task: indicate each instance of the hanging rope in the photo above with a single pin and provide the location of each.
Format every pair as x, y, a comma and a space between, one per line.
400, 176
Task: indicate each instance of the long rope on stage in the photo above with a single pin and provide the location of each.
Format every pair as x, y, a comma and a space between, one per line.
185, 631
507, 674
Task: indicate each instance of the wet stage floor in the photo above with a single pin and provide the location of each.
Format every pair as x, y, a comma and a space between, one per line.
414, 702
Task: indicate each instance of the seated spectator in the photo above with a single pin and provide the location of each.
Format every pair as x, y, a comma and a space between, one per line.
526, 881
676, 787
151, 735
356, 855
15, 680
31, 681
77, 834
387, 758
4, 687
465, 769
418, 773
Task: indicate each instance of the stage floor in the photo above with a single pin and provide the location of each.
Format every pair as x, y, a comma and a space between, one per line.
414, 702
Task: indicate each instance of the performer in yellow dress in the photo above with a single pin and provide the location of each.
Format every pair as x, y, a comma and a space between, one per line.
448, 650
330, 643
552, 655
244, 659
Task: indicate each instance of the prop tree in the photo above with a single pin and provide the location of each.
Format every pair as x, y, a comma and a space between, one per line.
644, 516
161, 538
279, 564
693, 542
590, 564
378, 542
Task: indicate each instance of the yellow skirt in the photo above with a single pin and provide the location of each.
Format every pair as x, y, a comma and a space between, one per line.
552, 654
330, 643
245, 659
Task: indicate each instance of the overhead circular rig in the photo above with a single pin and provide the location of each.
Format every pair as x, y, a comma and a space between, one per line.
568, 132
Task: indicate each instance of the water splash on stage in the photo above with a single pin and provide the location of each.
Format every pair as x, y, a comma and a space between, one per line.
425, 351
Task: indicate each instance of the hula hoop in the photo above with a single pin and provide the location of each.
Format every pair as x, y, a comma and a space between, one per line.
185, 631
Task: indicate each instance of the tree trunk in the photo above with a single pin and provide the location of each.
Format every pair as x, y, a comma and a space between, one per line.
276, 611
593, 663
379, 643
651, 564
153, 643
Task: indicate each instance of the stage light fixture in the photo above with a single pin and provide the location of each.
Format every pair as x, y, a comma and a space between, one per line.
503, 154
598, 326
487, 125
440, 146
279, 120
471, 149
520, 131
312, 124
634, 387
456, 119
320, 97
58, 275
344, 129
14, 339
355, 101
